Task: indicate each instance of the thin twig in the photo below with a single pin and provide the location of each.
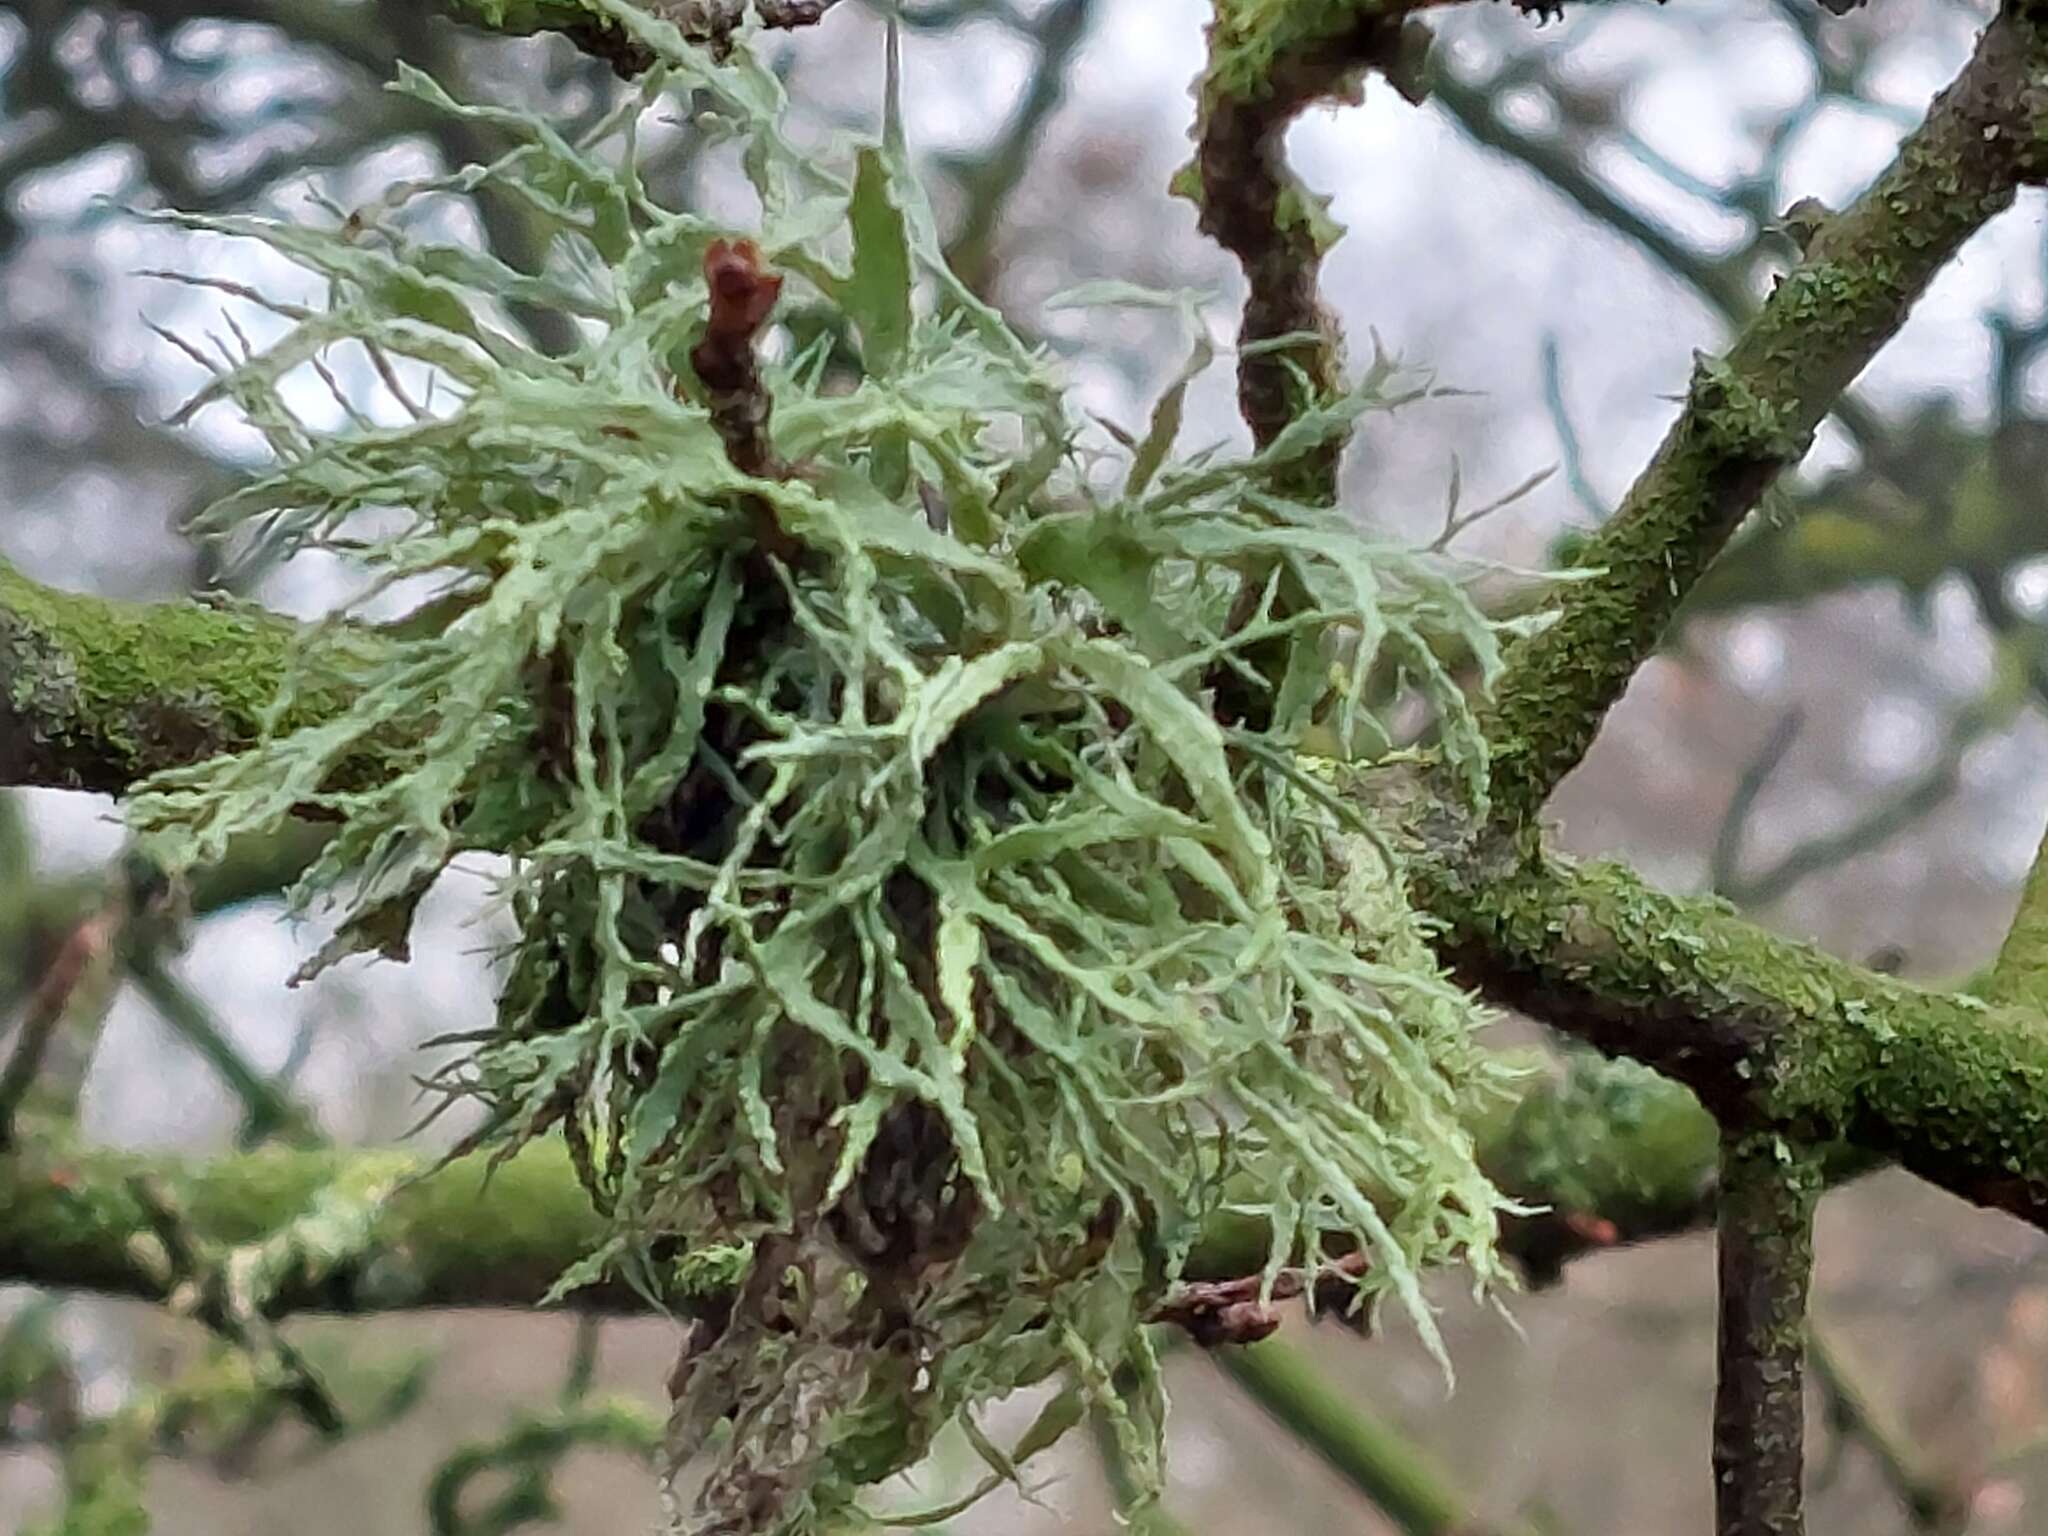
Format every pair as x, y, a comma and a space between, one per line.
1937, 1507
1768, 1194
1871, 829
85, 952
743, 293
991, 178
1725, 865
1241, 1310
267, 1110
1397, 1475
211, 1296
1569, 447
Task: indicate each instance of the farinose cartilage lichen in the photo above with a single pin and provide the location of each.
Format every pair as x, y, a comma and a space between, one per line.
895, 907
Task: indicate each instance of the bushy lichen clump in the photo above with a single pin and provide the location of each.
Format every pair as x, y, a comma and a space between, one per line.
890, 902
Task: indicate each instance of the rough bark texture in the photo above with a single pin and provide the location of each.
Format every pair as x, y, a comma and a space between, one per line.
1764, 1030
97, 694
1766, 1260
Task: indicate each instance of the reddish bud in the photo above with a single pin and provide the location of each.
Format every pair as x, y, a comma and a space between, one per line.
742, 291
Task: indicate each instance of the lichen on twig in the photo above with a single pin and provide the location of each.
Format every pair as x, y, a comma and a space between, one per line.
890, 909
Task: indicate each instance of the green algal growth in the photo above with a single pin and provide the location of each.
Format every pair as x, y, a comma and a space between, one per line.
1738, 420
890, 906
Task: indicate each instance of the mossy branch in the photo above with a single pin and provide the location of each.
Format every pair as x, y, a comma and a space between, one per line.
69, 1218
1617, 1154
97, 694
1751, 414
1768, 1192
1267, 64
2020, 975
1762, 1029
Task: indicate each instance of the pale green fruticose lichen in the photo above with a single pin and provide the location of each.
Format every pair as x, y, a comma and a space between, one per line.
904, 892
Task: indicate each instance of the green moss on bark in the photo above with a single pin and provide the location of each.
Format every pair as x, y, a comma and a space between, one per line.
2021, 975
97, 694
457, 1237
1749, 416
1768, 1194
1257, 48
1762, 1028
1607, 1138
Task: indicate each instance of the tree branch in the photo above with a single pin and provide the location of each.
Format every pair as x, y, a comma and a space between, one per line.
1869, 829
1751, 414
1766, 1259
1396, 1474
459, 1237
989, 179
1937, 1505
2020, 974
97, 694
267, 1108
1266, 66
1619, 1154
1764, 1030
1475, 108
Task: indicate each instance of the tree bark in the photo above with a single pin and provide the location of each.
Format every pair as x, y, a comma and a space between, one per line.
1766, 1258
